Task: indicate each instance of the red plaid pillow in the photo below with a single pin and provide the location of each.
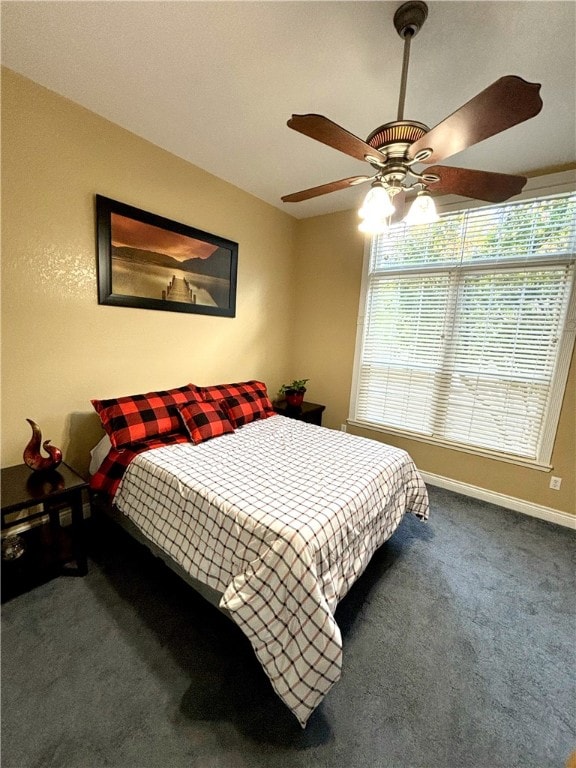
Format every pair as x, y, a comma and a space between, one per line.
243, 409
107, 478
254, 391
204, 421
134, 418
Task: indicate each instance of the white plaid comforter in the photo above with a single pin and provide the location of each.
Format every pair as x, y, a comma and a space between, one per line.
281, 517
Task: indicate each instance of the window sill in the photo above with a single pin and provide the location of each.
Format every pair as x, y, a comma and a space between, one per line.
483, 453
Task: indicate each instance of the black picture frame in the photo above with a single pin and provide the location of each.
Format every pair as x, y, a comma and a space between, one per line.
151, 262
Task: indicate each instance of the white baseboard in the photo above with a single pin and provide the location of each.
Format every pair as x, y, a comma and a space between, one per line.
510, 502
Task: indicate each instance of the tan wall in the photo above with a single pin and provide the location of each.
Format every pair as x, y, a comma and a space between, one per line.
329, 272
329, 252
59, 347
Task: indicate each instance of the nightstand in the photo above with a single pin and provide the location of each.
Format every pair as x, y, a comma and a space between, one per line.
35, 501
310, 412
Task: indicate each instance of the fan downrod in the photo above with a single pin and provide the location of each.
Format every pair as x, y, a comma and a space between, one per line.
410, 17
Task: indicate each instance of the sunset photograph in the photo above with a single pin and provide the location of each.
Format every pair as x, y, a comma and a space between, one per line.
150, 262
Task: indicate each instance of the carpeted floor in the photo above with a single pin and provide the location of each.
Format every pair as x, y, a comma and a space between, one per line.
459, 652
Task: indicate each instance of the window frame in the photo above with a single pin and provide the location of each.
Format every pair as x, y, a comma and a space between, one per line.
539, 187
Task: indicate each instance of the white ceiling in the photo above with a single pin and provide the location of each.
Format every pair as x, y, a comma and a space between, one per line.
214, 82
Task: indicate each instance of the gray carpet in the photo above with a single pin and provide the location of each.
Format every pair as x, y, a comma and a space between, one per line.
458, 652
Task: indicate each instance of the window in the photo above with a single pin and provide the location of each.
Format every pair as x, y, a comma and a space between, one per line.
465, 335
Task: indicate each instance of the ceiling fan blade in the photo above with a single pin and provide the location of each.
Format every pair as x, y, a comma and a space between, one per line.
507, 102
323, 189
481, 185
324, 130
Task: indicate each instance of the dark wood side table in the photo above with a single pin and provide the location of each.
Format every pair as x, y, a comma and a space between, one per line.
310, 412
54, 491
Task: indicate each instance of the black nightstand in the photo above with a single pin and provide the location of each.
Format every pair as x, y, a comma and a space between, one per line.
47, 549
310, 412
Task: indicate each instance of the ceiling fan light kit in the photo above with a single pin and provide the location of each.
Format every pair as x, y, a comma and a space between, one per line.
376, 210
395, 148
423, 210
377, 202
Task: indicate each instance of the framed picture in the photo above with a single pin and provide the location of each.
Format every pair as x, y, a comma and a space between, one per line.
150, 262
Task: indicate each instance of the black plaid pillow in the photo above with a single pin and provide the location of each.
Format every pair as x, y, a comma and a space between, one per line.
204, 421
254, 391
243, 409
107, 478
134, 418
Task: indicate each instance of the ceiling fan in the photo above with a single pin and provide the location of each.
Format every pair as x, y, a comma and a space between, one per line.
394, 149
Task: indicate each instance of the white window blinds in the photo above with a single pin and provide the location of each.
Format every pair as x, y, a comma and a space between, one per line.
464, 327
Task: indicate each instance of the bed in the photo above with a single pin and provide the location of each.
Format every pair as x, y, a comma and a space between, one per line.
275, 518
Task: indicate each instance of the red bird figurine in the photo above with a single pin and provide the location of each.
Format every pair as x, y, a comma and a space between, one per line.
32, 456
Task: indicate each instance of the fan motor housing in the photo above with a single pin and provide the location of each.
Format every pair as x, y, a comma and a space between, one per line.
396, 137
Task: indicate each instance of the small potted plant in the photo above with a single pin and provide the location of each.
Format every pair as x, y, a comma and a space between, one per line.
294, 392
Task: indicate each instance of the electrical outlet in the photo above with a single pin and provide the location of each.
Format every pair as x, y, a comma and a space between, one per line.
555, 483
343, 428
